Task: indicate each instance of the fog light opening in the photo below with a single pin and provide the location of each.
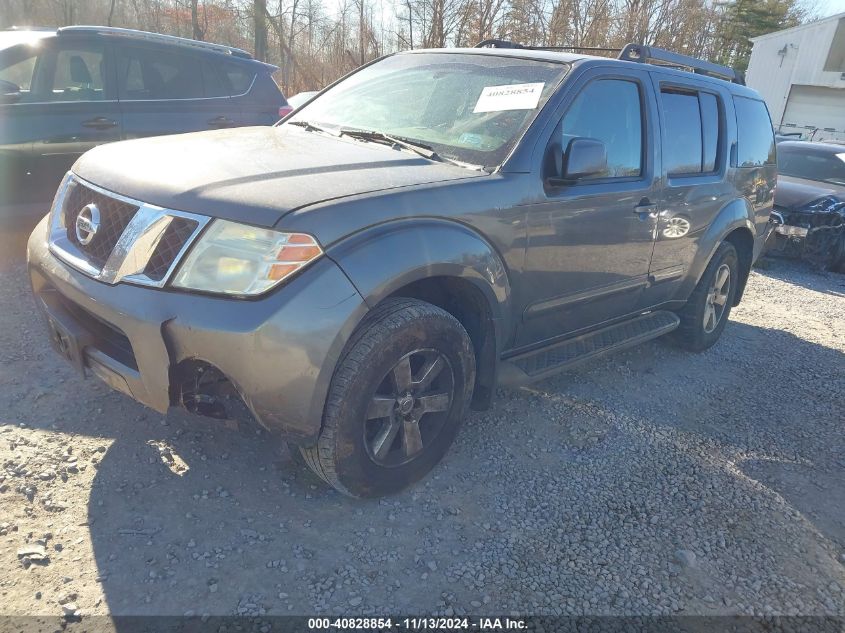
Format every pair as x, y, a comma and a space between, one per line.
204, 390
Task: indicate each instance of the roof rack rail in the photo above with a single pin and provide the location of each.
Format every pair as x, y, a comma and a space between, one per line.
636, 53
493, 43
659, 56
157, 37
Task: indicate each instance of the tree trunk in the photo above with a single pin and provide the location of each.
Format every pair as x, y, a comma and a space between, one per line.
361, 32
195, 20
260, 11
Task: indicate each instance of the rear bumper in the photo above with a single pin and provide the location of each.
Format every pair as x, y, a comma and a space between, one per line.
279, 352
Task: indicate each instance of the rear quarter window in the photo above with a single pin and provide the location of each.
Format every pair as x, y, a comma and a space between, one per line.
239, 78
755, 135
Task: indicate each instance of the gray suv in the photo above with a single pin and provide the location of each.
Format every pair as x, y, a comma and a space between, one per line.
433, 225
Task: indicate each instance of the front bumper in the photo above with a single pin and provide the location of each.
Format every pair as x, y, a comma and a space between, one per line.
279, 351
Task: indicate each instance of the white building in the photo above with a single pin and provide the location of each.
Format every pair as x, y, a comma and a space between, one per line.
800, 72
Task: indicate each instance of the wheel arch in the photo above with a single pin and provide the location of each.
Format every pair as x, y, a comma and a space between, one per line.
733, 224
444, 263
743, 241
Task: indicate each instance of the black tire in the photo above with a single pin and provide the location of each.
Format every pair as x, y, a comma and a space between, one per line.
838, 260
693, 334
395, 343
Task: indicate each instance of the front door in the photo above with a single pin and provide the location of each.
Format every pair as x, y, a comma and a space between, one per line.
76, 108
590, 241
18, 128
66, 104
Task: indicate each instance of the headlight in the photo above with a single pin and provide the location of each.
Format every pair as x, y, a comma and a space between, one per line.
237, 259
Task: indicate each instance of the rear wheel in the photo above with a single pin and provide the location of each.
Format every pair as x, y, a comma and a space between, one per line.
706, 312
396, 400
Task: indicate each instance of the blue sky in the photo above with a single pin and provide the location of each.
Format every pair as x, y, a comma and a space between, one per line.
830, 7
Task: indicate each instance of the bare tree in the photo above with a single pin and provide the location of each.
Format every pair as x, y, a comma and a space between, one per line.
260, 33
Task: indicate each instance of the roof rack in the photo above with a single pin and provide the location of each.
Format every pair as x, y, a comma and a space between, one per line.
507, 44
659, 56
636, 53
156, 37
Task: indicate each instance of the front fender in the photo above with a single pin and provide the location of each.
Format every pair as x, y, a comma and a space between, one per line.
737, 214
384, 258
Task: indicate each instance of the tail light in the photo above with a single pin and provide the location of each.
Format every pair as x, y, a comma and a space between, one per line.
284, 111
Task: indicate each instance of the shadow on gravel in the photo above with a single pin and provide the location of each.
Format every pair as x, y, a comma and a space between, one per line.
186, 510
791, 270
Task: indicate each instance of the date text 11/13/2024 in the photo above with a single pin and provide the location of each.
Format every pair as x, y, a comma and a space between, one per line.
424, 623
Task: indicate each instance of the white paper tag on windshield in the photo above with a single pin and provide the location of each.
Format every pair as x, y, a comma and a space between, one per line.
509, 97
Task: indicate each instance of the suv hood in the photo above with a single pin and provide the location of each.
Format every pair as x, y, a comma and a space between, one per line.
254, 175
793, 193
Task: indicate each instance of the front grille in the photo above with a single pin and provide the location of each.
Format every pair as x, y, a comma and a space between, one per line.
168, 247
140, 242
115, 216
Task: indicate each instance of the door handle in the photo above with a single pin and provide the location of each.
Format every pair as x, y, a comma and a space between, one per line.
99, 123
220, 121
646, 209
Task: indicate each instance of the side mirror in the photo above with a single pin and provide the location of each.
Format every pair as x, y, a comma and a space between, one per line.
582, 158
9, 92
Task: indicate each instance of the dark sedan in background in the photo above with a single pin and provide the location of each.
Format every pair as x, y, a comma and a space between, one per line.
810, 203
65, 91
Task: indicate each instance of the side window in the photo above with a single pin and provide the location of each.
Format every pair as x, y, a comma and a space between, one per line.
691, 121
18, 67
214, 85
79, 74
709, 130
240, 78
755, 135
610, 111
151, 74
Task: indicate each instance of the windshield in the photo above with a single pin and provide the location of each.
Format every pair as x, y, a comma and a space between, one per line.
467, 108
812, 164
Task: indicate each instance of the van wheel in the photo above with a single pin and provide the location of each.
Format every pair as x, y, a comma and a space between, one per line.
396, 400
706, 312
838, 259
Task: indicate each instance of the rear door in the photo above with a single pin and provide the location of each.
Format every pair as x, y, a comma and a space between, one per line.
165, 90
254, 92
72, 108
695, 154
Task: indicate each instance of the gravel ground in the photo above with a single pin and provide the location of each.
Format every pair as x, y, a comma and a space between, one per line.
653, 482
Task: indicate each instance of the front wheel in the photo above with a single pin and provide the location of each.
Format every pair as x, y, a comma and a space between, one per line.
706, 312
396, 400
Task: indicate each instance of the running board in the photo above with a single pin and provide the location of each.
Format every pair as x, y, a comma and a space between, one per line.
547, 361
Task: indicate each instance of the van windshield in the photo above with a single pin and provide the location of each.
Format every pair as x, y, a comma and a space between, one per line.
13, 38
465, 107
812, 164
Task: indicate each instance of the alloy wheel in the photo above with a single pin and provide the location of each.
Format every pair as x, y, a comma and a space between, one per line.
717, 298
409, 408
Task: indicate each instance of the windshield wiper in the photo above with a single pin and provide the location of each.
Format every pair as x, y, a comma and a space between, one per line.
426, 151
311, 127
422, 149
417, 147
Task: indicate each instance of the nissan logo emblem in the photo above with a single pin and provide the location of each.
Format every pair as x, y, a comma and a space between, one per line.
87, 224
